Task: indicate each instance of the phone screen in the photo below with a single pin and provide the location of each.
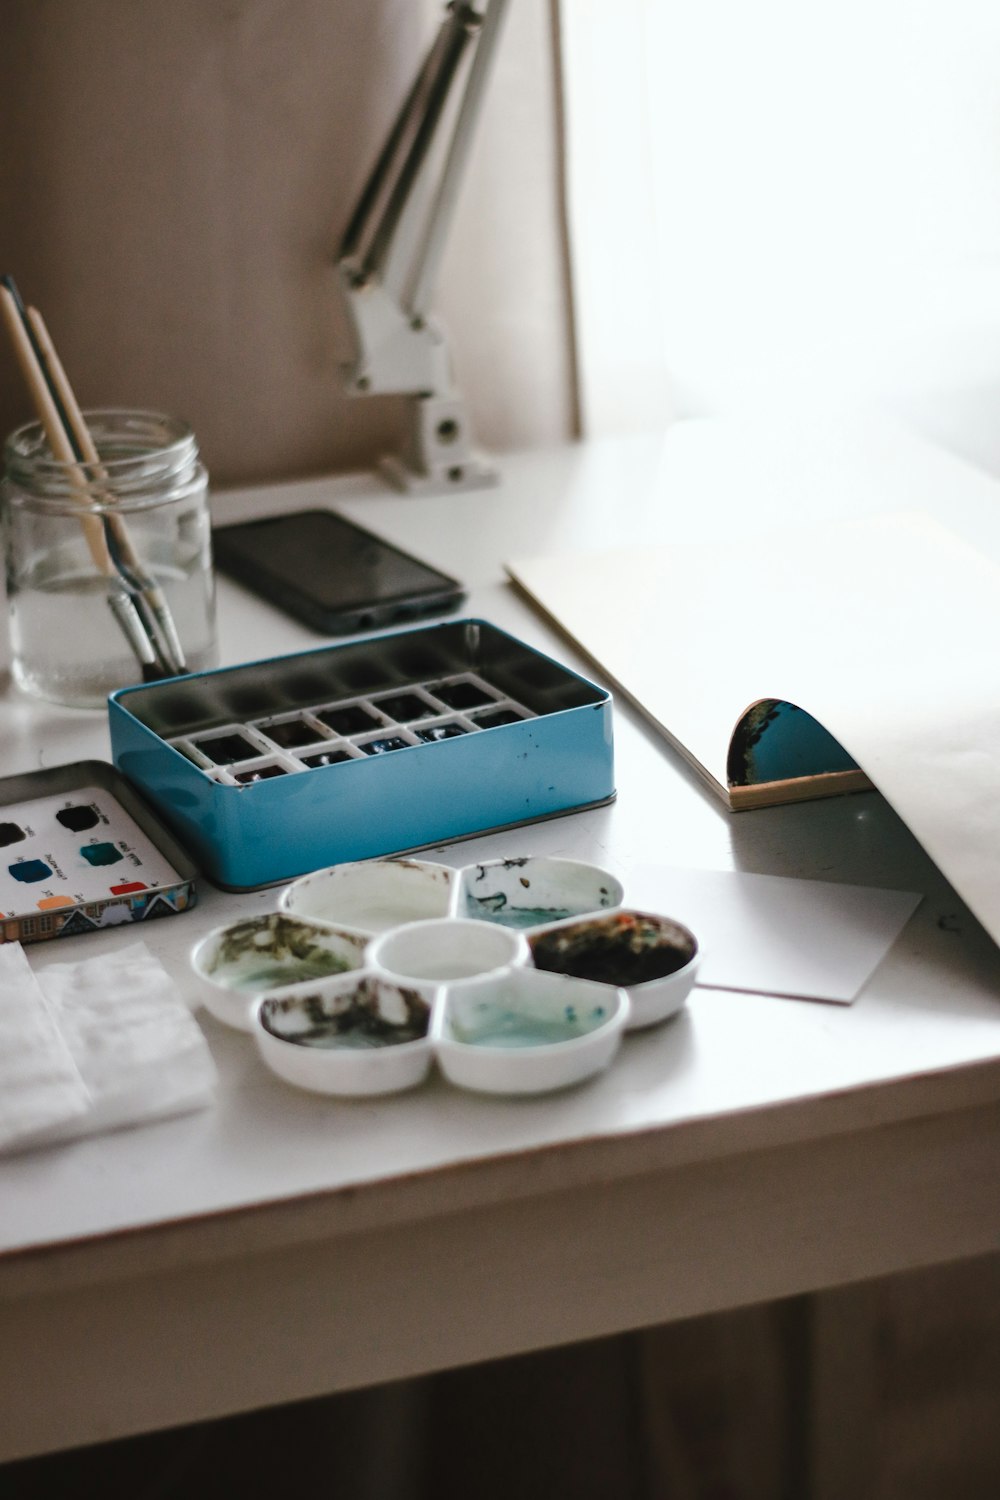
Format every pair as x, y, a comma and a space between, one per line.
332, 574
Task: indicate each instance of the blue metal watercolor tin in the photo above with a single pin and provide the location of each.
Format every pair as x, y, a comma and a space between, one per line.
384, 745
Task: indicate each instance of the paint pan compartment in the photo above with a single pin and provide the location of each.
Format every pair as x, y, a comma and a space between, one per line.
81, 852
377, 746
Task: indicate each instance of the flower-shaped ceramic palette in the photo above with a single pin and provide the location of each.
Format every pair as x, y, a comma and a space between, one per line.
516, 976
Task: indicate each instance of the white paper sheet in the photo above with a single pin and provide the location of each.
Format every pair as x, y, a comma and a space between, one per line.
885, 630
40, 1084
771, 935
140, 1051
123, 1032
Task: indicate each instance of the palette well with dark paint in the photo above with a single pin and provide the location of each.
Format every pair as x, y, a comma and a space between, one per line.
382, 745
80, 852
652, 958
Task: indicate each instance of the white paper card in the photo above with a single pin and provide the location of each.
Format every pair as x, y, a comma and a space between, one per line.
772, 935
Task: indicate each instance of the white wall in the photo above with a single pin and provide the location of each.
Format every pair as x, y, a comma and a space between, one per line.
815, 206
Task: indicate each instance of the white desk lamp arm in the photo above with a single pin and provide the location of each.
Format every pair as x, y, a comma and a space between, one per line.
391, 252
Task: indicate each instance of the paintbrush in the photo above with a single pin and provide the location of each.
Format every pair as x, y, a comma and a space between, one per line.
107, 539
149, 596
119, 599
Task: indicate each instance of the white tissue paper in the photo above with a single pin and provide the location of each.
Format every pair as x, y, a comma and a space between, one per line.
137, 1048
40, 1084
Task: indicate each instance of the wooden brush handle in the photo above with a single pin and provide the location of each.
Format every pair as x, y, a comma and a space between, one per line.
59, 443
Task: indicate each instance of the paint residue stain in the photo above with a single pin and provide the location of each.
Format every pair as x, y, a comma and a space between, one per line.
382, 747
403, 707
258, 773
257, 958
439, 732
352, 719
274, 973
77, 819
290, 734
498, 719
505, 1025
358, 1022
496, 909
101, 854
622, 950
226, 748
461, 694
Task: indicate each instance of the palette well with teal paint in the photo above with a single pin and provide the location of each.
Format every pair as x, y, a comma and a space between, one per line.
381, 745
79, 851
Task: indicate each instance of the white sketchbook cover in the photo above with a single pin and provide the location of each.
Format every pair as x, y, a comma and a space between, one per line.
885, 631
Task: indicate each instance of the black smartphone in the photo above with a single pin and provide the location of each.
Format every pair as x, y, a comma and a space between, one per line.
329, 573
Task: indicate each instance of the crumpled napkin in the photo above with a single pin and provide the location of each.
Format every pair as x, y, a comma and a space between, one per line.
138, 1052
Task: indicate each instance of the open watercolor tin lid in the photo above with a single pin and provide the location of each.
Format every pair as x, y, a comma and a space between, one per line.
82, 851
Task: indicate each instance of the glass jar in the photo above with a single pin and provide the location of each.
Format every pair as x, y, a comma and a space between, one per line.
104, 562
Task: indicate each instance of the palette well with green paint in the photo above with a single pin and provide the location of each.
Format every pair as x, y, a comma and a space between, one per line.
79, 852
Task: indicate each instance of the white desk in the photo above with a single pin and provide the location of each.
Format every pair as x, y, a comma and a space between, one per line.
280, 1245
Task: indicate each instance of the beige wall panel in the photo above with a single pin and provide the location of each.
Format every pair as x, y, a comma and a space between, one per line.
175, 179
504, 290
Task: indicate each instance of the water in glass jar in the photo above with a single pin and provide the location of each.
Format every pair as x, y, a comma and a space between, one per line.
67, 646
